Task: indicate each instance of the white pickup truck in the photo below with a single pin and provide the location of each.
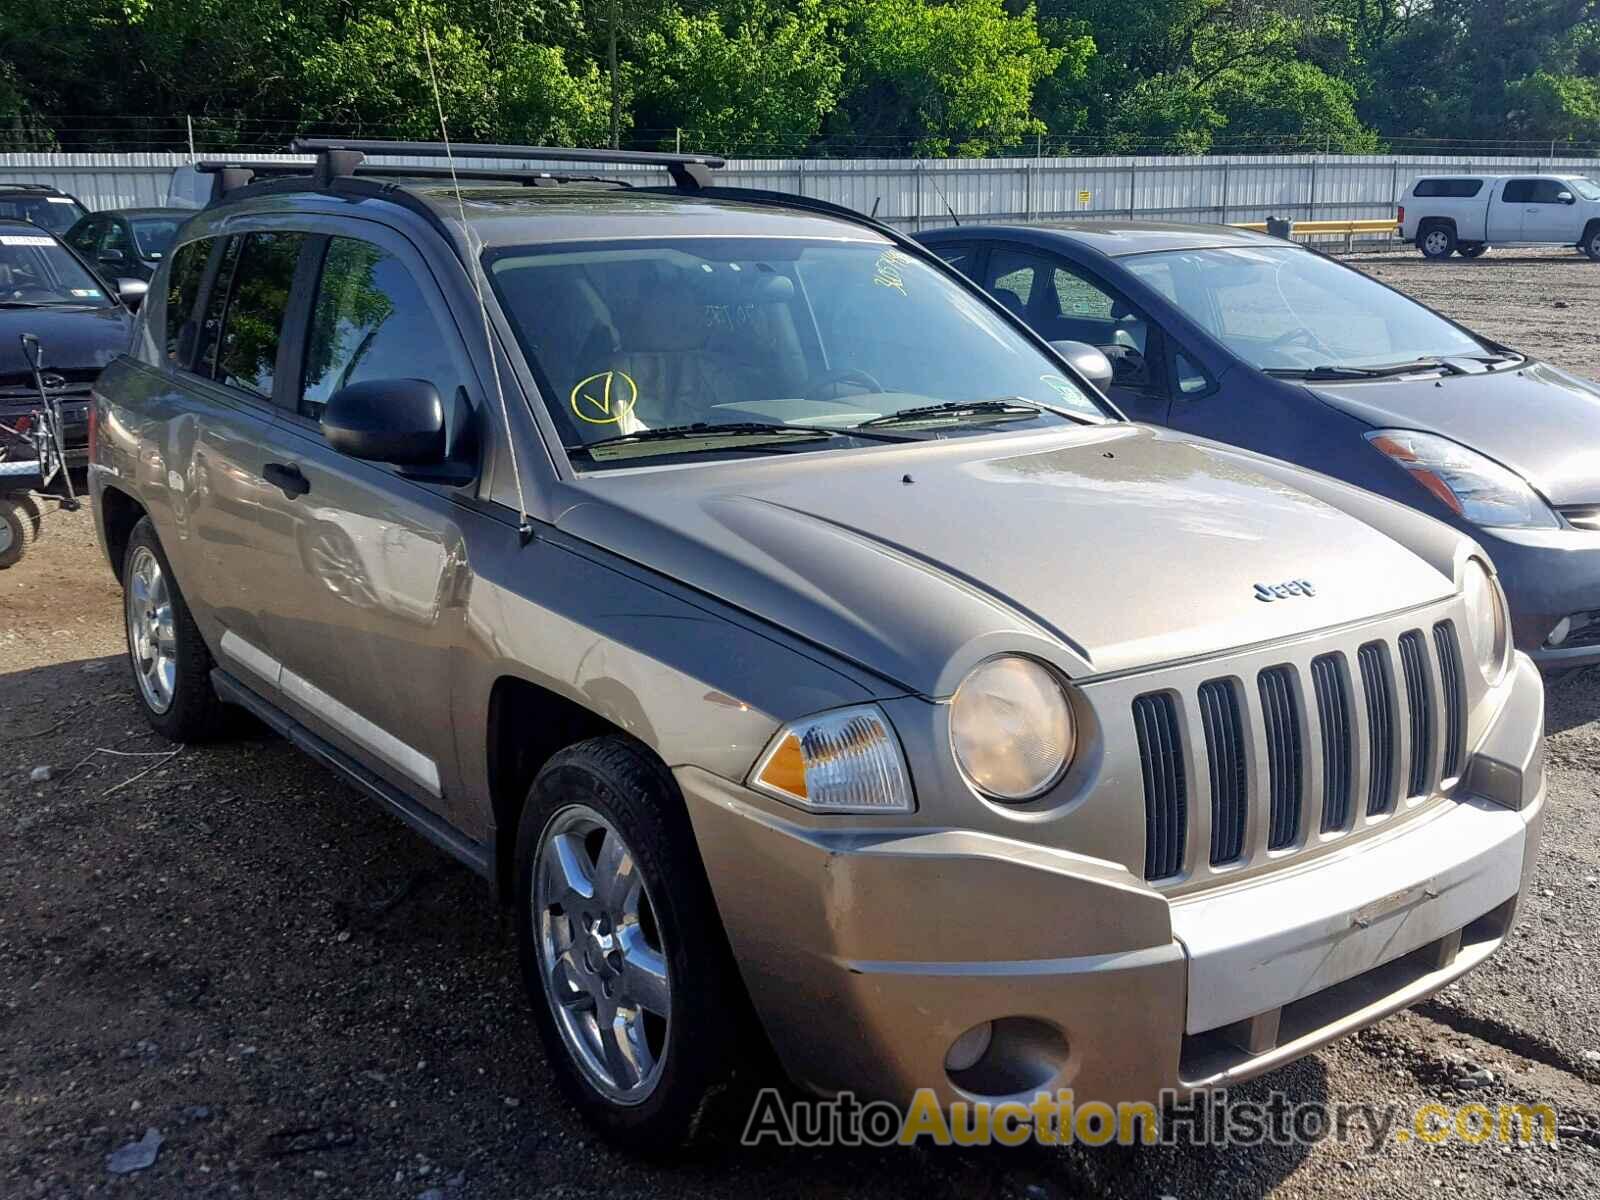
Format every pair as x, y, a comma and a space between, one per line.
1466, 214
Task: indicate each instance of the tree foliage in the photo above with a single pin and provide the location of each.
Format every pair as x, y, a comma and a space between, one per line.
799, 76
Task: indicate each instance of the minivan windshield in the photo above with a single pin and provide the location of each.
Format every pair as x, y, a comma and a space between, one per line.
1288, 310
716, 347
36, 271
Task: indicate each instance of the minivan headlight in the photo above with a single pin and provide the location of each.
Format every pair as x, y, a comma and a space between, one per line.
1488, 622
1011, 728
844, 761
1470, 485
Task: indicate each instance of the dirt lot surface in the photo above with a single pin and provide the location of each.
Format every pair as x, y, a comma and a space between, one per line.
224, 945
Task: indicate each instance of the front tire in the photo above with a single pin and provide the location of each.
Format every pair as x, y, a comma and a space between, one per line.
1591, 242
170, 663
633, 986
1437, 242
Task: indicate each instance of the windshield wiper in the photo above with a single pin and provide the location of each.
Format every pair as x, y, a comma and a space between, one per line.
7, 303
1009, 406
1341, 371
702, 429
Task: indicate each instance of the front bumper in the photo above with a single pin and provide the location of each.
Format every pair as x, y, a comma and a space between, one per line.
868, 952
1548, 574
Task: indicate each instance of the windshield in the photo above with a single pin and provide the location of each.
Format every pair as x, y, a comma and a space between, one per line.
36, 270
154, 235
1587, 188
642, 345
55, 213
1290, 310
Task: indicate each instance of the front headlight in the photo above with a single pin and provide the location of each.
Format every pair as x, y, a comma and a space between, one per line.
1011, 728
1472, 486
1488, 623
844, 761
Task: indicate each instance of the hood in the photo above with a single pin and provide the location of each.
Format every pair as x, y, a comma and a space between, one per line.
1103, 548
1541, 422
73, 341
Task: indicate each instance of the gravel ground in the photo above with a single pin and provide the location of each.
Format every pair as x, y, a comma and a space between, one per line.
305, 1000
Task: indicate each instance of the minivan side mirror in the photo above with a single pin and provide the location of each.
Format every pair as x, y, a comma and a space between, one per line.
399, 421
1088, 361
132, 291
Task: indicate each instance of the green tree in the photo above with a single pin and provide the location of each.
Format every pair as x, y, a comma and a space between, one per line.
940, 78
1558, 107
759, 73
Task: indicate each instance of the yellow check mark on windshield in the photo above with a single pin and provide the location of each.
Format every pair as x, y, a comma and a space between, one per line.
604, 398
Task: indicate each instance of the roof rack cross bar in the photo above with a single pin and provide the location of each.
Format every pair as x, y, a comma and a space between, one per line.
688, 171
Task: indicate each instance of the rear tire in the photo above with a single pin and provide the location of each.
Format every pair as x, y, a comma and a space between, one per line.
633, 985
19, 528
1473, 249
168, 658
1437, 242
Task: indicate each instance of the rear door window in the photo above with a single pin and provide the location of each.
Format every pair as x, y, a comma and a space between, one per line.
370, 321
1518, 191
252, 321
183, 289
1456, 188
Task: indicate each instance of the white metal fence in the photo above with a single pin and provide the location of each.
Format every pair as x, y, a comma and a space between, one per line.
915, 194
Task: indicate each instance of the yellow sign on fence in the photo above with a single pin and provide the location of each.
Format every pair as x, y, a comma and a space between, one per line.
1083, 199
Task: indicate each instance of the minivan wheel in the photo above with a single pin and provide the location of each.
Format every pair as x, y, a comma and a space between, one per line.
1437, 241
632, 982
170, 662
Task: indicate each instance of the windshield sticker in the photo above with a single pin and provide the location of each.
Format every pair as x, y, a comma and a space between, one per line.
888, 270
605, 398
91, 293
1062, 387
25, 239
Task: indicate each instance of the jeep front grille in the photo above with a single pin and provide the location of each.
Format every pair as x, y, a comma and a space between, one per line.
1280, 715
1333, 715
1278, 761
1378, 686
1155, 717
1454, 687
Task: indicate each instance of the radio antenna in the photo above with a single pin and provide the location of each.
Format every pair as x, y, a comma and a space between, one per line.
474, 267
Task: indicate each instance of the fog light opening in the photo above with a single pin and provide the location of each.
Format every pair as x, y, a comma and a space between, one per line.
1009, 1056
1560, 633
967, 1049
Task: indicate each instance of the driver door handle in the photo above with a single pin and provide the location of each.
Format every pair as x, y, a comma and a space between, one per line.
286, 477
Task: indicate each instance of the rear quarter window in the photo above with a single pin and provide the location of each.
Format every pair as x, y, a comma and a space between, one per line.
1459, 189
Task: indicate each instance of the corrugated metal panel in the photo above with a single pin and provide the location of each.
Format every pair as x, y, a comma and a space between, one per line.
912, 194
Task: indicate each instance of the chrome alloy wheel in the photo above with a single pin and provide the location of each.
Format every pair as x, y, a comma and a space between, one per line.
152, 641
1436, 242
601, 956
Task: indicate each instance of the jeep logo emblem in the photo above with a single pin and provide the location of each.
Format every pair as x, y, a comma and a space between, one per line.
1282, 591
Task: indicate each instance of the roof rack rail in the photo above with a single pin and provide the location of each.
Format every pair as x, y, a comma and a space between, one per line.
235, 175
341, 156
8, 186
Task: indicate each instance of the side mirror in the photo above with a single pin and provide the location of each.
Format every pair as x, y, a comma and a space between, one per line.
1088, 361
398, 421
1566, 198
132, 291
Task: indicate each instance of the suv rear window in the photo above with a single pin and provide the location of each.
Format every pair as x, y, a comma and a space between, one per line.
1456, 188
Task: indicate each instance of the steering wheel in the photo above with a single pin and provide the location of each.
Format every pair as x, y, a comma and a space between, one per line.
844, 375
